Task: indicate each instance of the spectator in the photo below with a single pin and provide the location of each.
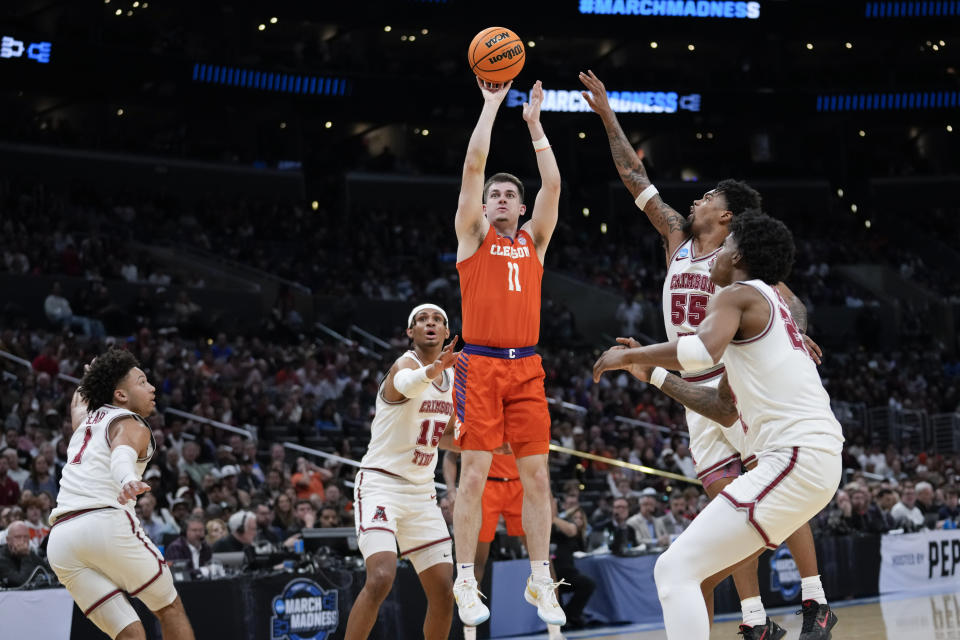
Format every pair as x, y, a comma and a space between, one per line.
191, 545
190, 463
305, 517
906, 513
243, 529
13, 469
284, 517
670, 525
886, 499
35, 520
620, 536
569, 534
949, 511
644, 522
40, 479
630, 315
9, 489
216, 531
18, 560
308, 480
925, 502
329, 516
266, 532
154, 526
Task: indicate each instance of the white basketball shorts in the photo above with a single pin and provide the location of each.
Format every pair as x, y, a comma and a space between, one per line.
391, 513
712, 445
785, 489
102, 553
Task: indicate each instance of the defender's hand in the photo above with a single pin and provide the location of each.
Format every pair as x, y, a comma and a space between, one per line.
596, 96
531, 110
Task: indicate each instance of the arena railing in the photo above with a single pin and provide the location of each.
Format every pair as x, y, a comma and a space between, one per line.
339, 337
248, 430
383, 344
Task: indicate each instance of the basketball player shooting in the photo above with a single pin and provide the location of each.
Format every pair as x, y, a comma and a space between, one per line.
97, 547
498, 384
772, 392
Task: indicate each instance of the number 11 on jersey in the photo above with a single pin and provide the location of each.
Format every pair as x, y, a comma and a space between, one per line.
513, 276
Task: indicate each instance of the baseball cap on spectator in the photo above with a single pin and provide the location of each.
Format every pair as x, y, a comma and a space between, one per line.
228, 470
649, 491
577, 430
666, 452
151, 473
246, 460
182, 491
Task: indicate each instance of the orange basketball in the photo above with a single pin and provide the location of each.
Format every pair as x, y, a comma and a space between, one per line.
496, 54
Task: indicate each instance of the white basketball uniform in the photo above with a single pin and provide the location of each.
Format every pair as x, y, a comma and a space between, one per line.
394, 491
687, 290
97, 547
786, 421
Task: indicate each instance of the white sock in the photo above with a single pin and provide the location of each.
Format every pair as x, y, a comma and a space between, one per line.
465, 571
753, 612
553, 631
812, 589
469, 633
540, 569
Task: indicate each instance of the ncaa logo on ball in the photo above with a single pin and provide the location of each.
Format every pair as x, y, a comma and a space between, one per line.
304, 611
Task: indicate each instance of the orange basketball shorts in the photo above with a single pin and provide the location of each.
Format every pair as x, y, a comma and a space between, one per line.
500, 399
502, 499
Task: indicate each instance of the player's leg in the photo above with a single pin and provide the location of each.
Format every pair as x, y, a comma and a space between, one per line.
818, 618
381, 571
174, 623
133, 631
467, 510
717, 538
437, 581
744, 573
480, 566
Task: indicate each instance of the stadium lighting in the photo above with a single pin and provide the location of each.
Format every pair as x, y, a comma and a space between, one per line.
581, 135
314, 205
586, 212
853, 208
273, 20
809, 46
261, 27
691, 47
327, 124
654, 45
387, 28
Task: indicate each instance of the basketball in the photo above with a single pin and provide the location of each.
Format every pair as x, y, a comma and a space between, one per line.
496, 54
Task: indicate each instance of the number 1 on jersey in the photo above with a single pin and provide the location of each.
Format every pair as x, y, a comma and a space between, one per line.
513, 276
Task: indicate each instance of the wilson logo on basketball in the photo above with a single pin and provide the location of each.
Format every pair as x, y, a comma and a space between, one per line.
497, 38
515, 50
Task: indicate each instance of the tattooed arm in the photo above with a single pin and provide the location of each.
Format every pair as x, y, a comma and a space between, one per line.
664, 218
717, 404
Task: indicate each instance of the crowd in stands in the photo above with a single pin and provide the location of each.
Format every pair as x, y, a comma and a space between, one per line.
322, 394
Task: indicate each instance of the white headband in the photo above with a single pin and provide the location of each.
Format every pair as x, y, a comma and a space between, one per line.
418, 309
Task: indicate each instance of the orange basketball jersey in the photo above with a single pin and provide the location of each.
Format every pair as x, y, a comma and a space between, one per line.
500, 289
503, 465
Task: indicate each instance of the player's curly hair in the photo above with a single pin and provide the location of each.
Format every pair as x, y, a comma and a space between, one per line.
765, 244
503, 177
103, 376
739, 195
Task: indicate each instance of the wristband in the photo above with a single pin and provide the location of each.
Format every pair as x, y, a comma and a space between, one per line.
541, 144
645, 196
658, 376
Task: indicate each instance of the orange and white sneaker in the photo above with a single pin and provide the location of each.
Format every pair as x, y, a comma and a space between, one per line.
471, 610
542, 593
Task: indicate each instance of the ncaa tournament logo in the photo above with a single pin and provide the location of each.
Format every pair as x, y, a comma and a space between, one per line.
784, 575
683, 253
304, 611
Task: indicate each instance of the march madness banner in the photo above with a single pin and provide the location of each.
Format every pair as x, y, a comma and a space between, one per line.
919, 560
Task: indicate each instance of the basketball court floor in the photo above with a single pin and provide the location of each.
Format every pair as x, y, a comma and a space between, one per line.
911, 616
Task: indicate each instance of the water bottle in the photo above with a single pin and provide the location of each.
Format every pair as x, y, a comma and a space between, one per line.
298, 546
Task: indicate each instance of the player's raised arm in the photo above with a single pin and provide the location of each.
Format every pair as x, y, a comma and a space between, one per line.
664, 218
470, 223
546, 207
407, 379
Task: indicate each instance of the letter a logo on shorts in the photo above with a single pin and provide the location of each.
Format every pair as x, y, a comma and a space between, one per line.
380, 514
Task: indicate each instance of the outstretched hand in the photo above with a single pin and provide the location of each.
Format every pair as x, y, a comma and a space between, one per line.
531, 110
596, 96
446, 359
131, 490
613, 358
641, 372
494, 92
